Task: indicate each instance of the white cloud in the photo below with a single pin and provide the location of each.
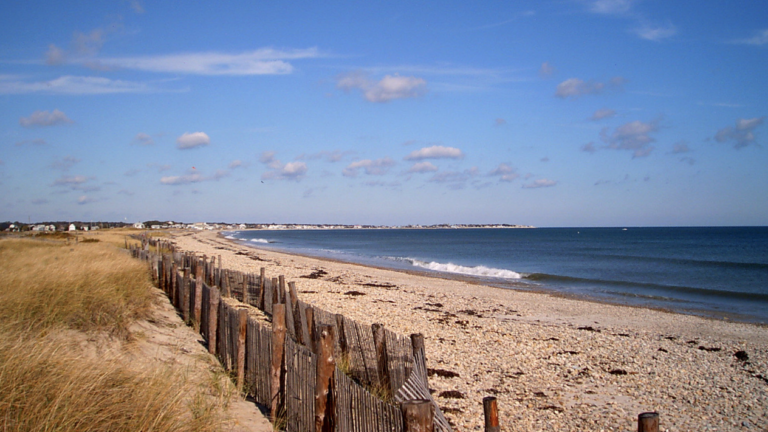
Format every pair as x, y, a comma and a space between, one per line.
499, 122
603, 113
540, 183
760, 38
88, 44
265, 61
143, 139
237, 163
634, 136
610, 7
371, 167
655, 33
74, 85
390, 87
45, 118
455, 179
575, 87
435, 152
180, 180
422, 167
742, 134
289, 171
192, 140
505, 173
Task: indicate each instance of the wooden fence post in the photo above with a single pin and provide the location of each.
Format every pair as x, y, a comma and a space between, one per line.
213, 319
174, 285
418, 415
310, 314
198, 298
185, 295
243, 325
278, 351
326, 364
419, 352
281, 281
491, 413
648, 422
262, 284
246, 294
380, 342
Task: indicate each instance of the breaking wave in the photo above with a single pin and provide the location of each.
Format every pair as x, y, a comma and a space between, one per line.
481, 271
258, 240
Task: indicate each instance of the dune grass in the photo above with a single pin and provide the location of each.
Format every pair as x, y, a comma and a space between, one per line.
90, 286
50, 291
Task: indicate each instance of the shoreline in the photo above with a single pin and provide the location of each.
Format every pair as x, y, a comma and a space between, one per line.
529, 288
552, 362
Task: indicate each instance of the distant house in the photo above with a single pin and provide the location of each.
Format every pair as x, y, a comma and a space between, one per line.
72, 227
242, 226
138, 225
155, 227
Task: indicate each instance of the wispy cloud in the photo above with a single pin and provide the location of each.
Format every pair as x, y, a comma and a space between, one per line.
546, 70
505, 173
143, 139
422, 167
455, 179
575, 87
45, 118
655, 32
371, 167
264, 61
634, 136
603, 113
389, 88
610, 7
76, 85
760, 38
741, 134
37, 142
540, 183
279, 171
435, 152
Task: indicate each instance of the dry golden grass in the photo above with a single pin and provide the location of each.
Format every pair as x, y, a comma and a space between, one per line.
49, 383
88, 286
49, 387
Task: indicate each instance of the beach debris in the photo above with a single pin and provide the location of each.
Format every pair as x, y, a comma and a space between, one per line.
670, 338
451, 394
449, 410
540, 394
569, 352
317, 274
709, 349
442, 373
663, 350
354, 293
618, 372
379, 285
471, 312
741, 355
437, 305
589, 328
552, 408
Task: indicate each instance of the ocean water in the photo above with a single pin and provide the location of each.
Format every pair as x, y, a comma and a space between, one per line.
719, 272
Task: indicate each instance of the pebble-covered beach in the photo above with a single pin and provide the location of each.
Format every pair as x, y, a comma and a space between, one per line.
553, 363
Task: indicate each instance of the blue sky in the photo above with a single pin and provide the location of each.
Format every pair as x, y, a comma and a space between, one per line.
547, 113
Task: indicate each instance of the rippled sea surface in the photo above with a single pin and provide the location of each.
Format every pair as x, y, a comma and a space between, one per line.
721, 271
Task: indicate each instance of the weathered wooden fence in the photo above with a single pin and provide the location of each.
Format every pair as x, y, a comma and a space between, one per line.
313, 370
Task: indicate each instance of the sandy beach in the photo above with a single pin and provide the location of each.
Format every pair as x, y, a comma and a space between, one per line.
553, 363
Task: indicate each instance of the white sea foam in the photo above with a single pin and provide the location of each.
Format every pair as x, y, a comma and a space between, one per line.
260, 240
472, 271
231, 237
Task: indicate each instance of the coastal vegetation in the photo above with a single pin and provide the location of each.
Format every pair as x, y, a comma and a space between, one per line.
66, 311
